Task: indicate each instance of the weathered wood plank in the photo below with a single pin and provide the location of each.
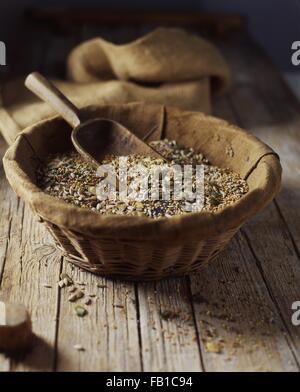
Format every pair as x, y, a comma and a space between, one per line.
236, 316
284, 137
119, 35
250, 64
220, 25
269, 234
279, 264
6, 207
30, 261
108, 333
168, 335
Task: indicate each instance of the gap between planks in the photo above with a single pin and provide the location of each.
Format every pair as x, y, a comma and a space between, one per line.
275, 118
256, 241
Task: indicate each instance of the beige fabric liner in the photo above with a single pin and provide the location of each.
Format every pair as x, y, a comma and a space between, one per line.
166, 66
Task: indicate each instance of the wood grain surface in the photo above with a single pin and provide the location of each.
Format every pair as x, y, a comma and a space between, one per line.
233, 315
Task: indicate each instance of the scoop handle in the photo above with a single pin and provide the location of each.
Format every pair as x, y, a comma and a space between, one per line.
46, 90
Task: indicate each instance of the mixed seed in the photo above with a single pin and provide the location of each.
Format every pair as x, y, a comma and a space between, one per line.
74, 180
219, 321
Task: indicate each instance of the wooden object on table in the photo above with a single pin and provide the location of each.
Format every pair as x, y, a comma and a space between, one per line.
15, 327
47, 92
93, 139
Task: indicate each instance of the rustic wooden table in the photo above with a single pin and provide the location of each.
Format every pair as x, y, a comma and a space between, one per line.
242, 300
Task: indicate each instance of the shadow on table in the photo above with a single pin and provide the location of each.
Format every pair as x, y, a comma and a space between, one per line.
41, 356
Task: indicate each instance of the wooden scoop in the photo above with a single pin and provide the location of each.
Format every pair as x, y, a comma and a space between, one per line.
95, 138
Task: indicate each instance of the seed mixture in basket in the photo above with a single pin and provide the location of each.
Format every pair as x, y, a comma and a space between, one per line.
74, 180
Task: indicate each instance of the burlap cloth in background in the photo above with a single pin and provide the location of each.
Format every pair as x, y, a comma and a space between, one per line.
252, 159
166, 66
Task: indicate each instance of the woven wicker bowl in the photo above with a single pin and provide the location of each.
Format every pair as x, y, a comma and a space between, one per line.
135, 247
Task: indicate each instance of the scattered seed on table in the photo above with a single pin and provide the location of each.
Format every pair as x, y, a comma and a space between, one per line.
79, 347
64, 283
80, 283
72, 179
213, 347
80, 310
102, 286
76, 295
66, 278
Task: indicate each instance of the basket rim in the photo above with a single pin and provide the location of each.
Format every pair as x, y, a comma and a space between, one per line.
192, 225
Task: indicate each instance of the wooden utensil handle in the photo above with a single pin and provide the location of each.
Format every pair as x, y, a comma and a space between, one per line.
46, 90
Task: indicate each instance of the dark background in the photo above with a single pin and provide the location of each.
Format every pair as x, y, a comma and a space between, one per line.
274, 24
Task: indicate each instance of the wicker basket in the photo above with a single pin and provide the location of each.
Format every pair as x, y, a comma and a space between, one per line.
139, 248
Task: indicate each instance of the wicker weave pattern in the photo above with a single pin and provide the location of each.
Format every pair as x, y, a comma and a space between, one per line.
135, 260
134, 247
